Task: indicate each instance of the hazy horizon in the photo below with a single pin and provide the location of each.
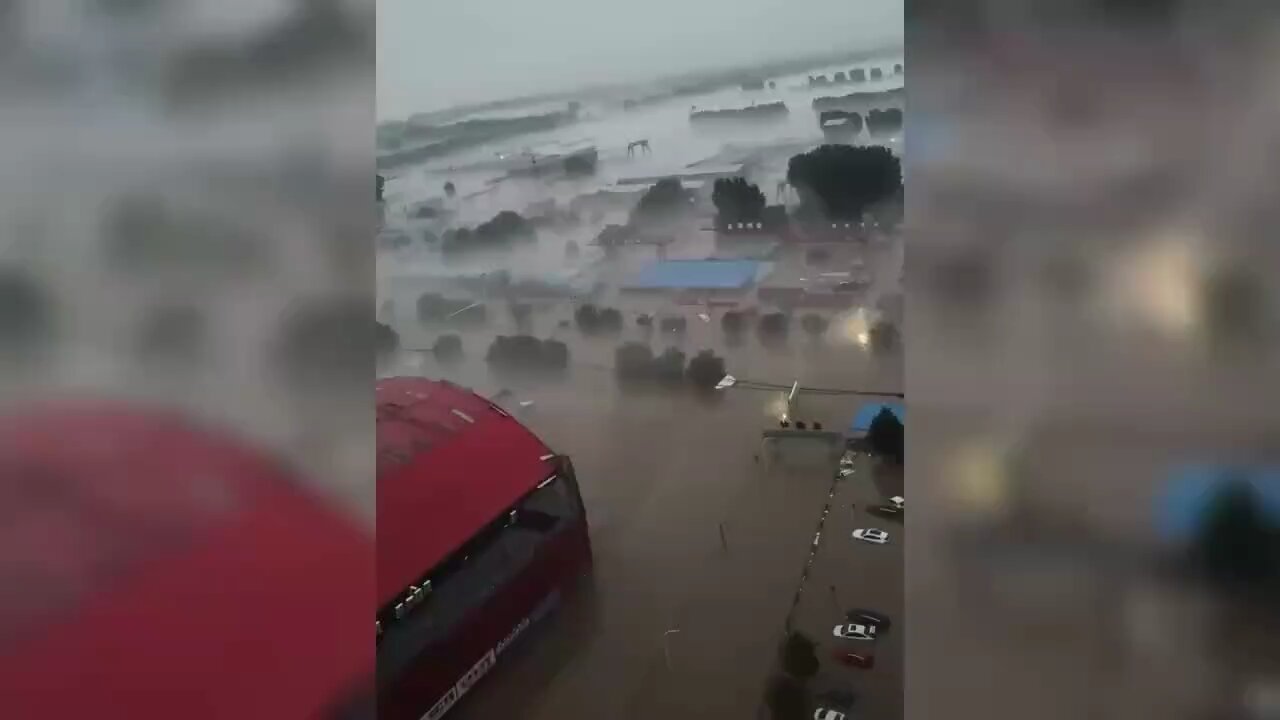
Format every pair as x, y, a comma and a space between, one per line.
494, 49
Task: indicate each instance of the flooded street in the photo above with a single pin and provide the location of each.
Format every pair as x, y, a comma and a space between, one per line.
701, 531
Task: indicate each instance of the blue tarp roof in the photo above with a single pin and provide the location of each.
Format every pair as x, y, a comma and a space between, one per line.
862, 421
697, 274
1180, 509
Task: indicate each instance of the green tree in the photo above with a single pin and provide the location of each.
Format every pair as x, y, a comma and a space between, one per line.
799, 656
555, 355
733, 322
883, 335
516, 351
385, 340
587, 318
887, 436
814, 324
27, 317
737, 200
706, 369
447, 348
842, 181
668, 367
610, 320
581, 164
633, 361
787, 699
774, 325
1236, 543
663, 198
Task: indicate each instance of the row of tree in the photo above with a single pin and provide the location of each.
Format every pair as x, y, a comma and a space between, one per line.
502, 231
635, 362
526, 352
590, 319
837, 182
593, 320
386, 343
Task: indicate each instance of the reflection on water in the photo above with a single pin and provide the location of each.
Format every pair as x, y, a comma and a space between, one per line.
852, 327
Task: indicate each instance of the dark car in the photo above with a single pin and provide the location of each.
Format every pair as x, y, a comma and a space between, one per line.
869, 617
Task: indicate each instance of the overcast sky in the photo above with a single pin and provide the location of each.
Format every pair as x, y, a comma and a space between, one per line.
437, 53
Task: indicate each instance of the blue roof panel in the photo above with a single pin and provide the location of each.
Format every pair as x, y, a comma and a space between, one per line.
696, 274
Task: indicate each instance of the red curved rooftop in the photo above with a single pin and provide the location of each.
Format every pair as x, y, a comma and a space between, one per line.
449, 462
156, 569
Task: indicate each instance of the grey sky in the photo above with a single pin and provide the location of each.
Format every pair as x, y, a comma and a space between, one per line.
437, 53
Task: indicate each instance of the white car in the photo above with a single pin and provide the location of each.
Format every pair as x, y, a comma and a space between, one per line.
871, 535
825, 714
855, 631
897, 501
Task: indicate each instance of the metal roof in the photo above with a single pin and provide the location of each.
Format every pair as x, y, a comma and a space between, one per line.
696, 274
449, 462
163, 568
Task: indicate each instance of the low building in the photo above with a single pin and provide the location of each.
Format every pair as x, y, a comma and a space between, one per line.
710, 278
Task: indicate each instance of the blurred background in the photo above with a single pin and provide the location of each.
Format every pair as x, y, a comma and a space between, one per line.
186, 425
1092, 363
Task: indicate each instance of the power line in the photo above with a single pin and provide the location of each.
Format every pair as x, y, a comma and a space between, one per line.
759, 385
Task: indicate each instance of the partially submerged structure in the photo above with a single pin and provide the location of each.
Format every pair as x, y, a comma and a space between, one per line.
766, 111
721, 277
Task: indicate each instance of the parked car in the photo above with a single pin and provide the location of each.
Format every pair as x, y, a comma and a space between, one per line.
869, 617
823, 713
862, 661
855, 631
871, 535
897, 501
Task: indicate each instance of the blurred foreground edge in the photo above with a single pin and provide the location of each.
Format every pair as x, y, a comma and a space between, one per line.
153, 568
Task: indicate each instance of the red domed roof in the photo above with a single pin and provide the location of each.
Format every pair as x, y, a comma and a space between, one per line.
154, 569
449, 463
